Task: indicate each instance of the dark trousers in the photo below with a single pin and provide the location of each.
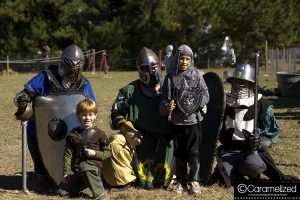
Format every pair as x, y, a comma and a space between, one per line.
187, 151
229, 166
34, 149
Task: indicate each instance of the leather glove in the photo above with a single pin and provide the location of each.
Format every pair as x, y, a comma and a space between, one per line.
22, 99
22, 102
132, 135
254, 142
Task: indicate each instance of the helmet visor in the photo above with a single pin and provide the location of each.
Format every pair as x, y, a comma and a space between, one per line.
71, 70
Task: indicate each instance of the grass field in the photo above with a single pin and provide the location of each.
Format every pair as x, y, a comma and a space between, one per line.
285, 152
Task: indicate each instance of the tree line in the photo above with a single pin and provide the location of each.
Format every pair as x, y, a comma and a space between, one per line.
122, 27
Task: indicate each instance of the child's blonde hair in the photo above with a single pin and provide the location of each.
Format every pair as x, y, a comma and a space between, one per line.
86, 106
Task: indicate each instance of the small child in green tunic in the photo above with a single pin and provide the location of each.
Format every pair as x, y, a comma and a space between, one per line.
86, 147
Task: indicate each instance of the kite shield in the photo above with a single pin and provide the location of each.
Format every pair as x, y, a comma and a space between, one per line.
55, 117
211, 124
189, 100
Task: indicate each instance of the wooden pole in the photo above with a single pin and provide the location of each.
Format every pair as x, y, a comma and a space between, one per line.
100, 67
277, 55
103, 63
283, 65
266, 55
160, 60
7, 65
208, 57
93, 61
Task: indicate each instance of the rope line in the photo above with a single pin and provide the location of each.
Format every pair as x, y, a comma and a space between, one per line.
44, 60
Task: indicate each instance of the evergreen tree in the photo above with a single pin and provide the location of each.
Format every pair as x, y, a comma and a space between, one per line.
123, 27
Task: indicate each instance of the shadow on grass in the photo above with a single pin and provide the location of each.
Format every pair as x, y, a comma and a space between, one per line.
14, 182
291, 104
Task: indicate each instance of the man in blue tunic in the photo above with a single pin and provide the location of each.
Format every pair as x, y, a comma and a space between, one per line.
63, 78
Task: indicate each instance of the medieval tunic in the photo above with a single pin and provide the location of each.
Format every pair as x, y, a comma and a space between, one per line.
153, 162
85, 172
239, 120
237, 125
117, 170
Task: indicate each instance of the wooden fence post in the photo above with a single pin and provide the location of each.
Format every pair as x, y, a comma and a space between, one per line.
7, 65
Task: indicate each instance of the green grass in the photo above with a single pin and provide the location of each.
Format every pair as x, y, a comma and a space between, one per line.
285, 152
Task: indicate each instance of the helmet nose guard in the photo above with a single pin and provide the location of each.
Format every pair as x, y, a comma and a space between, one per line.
145, 62
146, 57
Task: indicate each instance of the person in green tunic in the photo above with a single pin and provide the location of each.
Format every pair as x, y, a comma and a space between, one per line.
238, 138
135, 112
86, 148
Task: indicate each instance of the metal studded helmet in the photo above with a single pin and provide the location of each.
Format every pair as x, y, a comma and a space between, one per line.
71, 65
243, 81
147, 65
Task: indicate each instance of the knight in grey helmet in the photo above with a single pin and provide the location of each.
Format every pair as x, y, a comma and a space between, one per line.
169, 59
147, 65
63, 78
234, 159
143, 132
227, 51
71, 65
242, 82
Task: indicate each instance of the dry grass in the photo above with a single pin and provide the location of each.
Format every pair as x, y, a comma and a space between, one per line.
287, 111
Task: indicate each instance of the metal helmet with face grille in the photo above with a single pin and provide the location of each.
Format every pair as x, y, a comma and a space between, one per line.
147, 65
71, 65
243, 81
